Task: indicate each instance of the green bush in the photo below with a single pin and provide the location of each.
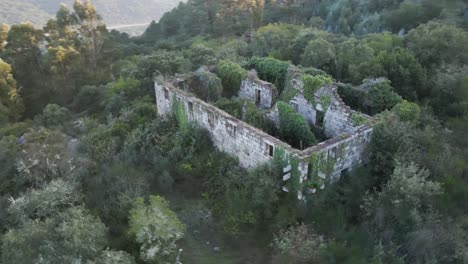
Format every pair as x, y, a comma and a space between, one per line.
407, 111
257, 118
231, 106
55, 116
272, 70
294, 128
312, 84
231, 75
210, 87
381, 96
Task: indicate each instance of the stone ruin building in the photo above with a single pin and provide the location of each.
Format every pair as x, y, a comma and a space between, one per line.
304, 171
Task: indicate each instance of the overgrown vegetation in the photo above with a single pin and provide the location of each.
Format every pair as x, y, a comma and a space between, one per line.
294, 128
91, 174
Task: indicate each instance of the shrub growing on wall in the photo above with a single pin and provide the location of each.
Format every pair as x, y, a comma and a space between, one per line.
231, 106
294, 128
312, 84
231, 75
272, 70
210, 88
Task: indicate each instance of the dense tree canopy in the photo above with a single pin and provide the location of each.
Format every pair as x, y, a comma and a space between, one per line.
91, 174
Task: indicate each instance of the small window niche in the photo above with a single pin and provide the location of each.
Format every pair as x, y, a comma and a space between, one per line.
319, 117
269, 150
295, 106
258, 97
166, 93
190, 107
231, 129
211, 120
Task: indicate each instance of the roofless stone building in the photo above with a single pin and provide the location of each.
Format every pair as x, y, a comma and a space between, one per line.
304, 171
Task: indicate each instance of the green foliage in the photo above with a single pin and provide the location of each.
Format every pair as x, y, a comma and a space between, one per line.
449, 92
11, 105
319, 53
387, 137
178, 108
127, 87
161, 61
43, 203
435, 43
231, 75
44, 157
411, 216
294, 128
402, 69
208, 86
112, 190
274, 40
312, 84
258, 118
359, 119
271, 70
380, 96
298, 244
113, 257
408, 111
201, 55
55, 116
386, 212
231, 106
155, 228
100, 144
244, 200
26, 244
288, 94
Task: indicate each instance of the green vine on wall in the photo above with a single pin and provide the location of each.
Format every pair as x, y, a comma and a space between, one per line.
179, 111
312, 84
283, 160
319, 163
325, 101
359, 119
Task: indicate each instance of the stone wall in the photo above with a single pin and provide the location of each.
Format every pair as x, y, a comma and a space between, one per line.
345, 151
337, 116
254, 147
250, 145
262, 93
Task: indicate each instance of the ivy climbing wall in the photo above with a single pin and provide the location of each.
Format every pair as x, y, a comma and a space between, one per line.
327, 160
337, 118
250, 145
304, 172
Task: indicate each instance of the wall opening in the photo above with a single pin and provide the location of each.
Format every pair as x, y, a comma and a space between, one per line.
269, 150
211, 120
231, 129
257, 97
190, 107
344, 172
319, 117
166, 93
295, 106
309, 171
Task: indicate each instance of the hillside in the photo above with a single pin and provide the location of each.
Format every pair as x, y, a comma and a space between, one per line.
114, 12
235, 131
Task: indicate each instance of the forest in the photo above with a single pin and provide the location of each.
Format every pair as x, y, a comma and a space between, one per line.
92, 174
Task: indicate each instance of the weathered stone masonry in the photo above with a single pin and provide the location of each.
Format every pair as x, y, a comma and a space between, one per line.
249, 144
260, 92
252, 147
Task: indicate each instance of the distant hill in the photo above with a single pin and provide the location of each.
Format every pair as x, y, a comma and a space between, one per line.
114, 12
